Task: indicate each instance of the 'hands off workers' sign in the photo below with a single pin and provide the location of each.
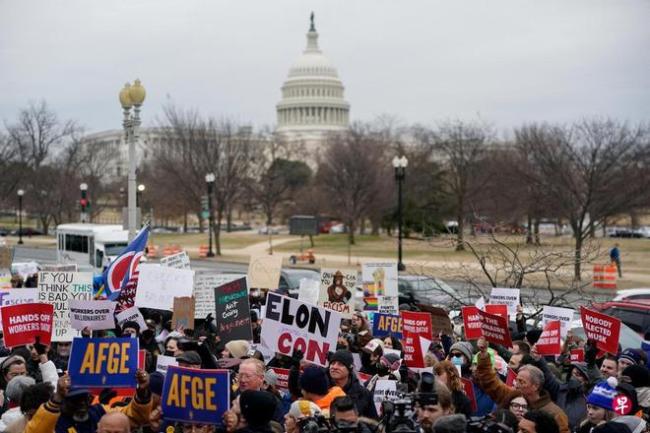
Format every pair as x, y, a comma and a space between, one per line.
103, 362
197, 396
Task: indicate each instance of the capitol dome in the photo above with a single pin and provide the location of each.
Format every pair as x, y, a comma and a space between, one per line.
312, 102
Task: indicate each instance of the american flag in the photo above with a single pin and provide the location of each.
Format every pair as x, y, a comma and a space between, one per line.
126, 299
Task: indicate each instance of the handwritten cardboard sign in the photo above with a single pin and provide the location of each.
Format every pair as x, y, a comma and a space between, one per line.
337, 287
183, 316
57, 289
233, 314
264, 272
158, 285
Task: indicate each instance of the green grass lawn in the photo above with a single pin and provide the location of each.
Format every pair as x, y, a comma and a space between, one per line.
194, 240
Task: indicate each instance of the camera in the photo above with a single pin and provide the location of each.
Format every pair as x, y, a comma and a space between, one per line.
314, 424
398, 415
486, 424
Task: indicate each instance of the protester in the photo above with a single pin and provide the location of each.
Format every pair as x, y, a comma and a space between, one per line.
114, 422
32, 398
341, 372
15, 389
447, 373
538, 421
346, 417
315, 387
431, 406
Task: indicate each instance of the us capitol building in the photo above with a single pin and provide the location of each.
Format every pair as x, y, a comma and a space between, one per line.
312, 106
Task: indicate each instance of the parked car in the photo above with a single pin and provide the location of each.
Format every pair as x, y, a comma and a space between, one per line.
27, 231
4, 231
338, 228
632, 294
290, 280
419, 289
635, 314
164, 229
265, 231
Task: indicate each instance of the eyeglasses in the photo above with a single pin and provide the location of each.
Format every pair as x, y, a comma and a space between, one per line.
519, 406
247, 375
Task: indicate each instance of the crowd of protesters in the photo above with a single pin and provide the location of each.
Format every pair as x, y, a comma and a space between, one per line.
547, 395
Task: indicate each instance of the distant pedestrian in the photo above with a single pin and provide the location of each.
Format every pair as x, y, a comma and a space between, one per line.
615, 257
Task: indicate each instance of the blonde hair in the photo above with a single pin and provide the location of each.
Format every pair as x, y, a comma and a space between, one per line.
453, 379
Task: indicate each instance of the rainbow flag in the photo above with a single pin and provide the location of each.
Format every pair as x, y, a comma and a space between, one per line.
372, 303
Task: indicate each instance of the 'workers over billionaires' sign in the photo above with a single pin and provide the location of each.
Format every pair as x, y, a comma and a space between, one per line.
195, 396
103, 362
290, 325
604, 329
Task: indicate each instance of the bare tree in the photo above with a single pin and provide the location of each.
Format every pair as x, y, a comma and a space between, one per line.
590, 171
462, 147
351, 173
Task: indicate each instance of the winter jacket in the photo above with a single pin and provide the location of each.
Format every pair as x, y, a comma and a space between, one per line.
325, 402
362, 398
502, 394
48, 419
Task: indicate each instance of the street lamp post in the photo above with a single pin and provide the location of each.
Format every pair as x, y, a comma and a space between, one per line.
21, 193
209, 180
131, 97
84, 201
400, 173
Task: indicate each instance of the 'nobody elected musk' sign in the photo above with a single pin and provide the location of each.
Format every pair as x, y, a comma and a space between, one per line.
103, 362
195, 396
290, 325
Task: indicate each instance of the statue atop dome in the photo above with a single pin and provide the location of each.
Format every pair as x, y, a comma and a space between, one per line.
312, 27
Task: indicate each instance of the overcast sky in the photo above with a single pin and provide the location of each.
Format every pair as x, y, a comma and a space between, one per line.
507, 61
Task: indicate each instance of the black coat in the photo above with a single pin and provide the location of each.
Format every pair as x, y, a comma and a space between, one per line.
361, 396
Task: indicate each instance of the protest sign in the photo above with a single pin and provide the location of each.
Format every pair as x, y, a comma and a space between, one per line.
472, 322
309, 290
195, 396
509, 297
264, 271
163, 362
497, 310
549, 342
414, 326
283, 378
95, 315
183, 316
17, 296
480, 303
385, 390
468, 388
58, 288
384, 325
179, 261
131, 315
25, 269
158, 285
564, 315
577, 355
290, 324
204, 285
440, 321
511, 377
495, 328
337, 288
103, 362
60, 267
602, 328
6, 258
23, 323
233, 315
379, 282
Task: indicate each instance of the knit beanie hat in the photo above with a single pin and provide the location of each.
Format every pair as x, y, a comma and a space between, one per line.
238, 348
638, 375
16, 386
463, 347
303, 408
603, 393
314, 380
627, 400
344, 357
582, 368
131, 324
632, 355
257, 407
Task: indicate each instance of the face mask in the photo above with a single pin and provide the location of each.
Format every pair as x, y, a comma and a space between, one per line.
169, 353
382, 370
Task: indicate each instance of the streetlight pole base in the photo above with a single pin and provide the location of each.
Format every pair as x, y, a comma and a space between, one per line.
210, 254
401, 267
20, 242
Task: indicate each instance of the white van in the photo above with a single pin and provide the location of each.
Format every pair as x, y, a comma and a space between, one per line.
91, 246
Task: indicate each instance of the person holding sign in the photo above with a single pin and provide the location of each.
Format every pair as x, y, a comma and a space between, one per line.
71, 410
529, 384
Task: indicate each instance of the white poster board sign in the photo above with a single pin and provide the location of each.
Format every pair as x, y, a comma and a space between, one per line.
131, 315
337, 287
385, 390
94, 315
509, 297
179, 261
58, 288
290, 324
564, 315
159, 285
17, 296
309, 290
163, 362
204, 285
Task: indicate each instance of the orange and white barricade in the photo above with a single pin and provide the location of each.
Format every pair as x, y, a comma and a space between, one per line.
605, 276
203, 251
